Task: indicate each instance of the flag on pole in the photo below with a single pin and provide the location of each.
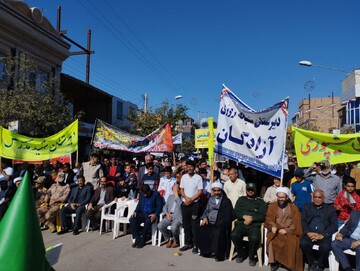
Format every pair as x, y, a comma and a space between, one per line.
22, 246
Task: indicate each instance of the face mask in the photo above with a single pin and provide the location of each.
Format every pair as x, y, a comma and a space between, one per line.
325, 172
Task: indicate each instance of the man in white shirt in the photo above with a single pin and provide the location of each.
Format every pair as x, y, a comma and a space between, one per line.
191, 186
235, 187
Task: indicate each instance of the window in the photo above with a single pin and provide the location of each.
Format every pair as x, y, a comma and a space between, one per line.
119, 110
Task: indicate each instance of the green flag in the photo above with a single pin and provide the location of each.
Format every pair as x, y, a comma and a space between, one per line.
22, 246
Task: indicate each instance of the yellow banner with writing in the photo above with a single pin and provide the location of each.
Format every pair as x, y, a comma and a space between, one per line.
313, 147
20, 147
202, 138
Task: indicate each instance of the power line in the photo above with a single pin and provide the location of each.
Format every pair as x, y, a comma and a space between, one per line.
128, 44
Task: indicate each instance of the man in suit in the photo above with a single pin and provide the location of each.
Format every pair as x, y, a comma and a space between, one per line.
102, 195
173, 218
319, 222
79, 197
348, 238
143, 170
147, 211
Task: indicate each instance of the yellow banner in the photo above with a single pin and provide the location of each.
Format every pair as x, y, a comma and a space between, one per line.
20, 147
313, 147
202, 138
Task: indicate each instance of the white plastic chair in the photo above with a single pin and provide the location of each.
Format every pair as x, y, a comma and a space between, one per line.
124, 220
333, 263
259, 251
181, 235
107, 216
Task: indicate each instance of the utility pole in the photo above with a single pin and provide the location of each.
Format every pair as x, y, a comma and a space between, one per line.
84, 51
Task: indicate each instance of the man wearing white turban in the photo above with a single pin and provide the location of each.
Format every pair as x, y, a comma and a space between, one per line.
283, 223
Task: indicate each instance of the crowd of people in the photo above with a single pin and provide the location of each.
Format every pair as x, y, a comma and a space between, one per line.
215, 205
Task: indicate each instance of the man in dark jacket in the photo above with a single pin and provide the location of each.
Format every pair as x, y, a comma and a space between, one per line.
348, 238
215, 224
79, 197
147, 211
319, 223
102, 195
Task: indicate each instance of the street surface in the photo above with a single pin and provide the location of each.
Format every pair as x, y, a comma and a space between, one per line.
89, 251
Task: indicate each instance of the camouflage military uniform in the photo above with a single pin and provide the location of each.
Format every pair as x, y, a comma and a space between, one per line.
56, 195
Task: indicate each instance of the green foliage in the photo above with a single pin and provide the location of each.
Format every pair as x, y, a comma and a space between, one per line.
187, 146
147, 122
41, 109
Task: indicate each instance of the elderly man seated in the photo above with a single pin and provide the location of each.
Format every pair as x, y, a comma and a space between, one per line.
215, 224
319, 222
147, 211
283, 223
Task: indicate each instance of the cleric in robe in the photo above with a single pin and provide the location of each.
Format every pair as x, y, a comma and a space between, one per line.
213, 234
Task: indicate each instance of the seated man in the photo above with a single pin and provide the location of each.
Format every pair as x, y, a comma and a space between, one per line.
56, 195
147, 211
173, 218
283, 223
250, 212
102, 195
215, 224
319, 222
79, 197
348, 238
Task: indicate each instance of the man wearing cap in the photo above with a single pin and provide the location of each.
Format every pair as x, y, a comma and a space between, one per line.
56, 195
250, 212
215, 224
79, 197
330, 184
191, 187
301, 189
319, 222
283, 223
40, 191
235, 187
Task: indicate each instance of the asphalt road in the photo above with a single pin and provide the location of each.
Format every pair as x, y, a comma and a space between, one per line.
89, 251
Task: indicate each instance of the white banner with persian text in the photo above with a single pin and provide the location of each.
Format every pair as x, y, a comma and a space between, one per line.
253, 138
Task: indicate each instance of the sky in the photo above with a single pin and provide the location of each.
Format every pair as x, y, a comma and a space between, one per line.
192, 47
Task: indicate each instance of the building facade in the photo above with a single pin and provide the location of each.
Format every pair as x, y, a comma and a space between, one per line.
318, 114
350, 99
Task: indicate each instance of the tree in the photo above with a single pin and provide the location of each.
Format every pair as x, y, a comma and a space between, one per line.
33, 98
147, 122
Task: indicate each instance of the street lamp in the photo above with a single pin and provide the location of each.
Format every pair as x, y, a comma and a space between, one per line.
308, 63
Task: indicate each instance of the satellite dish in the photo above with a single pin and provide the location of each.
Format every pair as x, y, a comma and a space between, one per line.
178, 97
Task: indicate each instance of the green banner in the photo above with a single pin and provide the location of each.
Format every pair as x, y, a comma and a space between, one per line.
20, 147
313, 147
